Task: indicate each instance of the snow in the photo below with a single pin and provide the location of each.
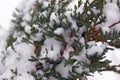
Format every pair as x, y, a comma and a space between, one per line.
105, 28
116, 27
59, 31
51, 49
37, 37
108, 75
45, 3
67, 51
54, 17
63, 70
111, 11
28, 29
3, 37
73, 22
26, 7
74, 3
22, 47
91, 43
94, 49
27, 17
114, 56
24, 24
113, 1
53, 78
19, 60
25, 77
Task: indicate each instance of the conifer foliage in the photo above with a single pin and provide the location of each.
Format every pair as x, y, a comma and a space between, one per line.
58, 39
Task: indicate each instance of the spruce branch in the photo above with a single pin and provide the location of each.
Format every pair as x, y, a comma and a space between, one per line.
112, 68
94, 34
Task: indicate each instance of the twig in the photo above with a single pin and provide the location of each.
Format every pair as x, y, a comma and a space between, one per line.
114, 24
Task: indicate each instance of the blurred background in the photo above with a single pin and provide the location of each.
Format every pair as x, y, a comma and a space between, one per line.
6, 9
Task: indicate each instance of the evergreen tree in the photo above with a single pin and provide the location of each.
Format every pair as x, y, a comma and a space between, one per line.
64, 36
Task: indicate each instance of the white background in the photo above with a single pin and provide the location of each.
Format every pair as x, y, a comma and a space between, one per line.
6, 9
